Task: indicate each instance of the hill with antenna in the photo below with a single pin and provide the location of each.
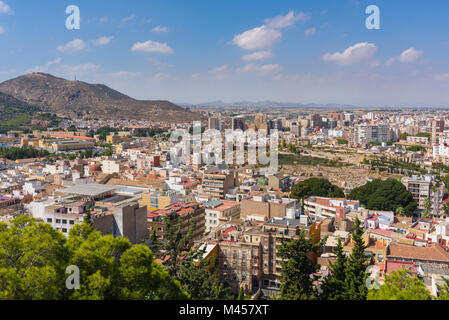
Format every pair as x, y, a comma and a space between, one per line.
77, 99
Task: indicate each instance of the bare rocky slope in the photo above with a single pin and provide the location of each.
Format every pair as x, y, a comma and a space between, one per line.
77, 98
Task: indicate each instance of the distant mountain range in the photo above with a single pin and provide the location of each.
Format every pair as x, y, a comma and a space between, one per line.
267, 104
77, 98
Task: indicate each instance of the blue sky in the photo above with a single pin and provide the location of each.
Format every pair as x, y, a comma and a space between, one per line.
198, 51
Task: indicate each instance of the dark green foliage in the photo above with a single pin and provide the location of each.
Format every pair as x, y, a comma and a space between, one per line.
297, 268
200, 282
334, 287
148, 132
24, 152
416, 149
34, 258
316, 187
105, 131
298, 159
188, 266
356, 266
385, 195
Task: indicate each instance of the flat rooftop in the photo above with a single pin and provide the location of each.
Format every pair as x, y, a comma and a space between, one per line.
89, 189
284, 222
115, 199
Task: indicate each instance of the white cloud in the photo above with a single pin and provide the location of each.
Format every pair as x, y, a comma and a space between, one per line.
125, 74
102, 41
266, 68
257, 56
6, 72
310, 31
152, 46
286, 77
390, 61
72, 46
160, 76
269, 68
220, 72
219, 69
288, 20
104, 19
46, 66
267, 34
66, 71
80, 70
257, 38
442, 76
161, 29
410, 55
128, 18
356, 53
375, 63
4, 8
2, 30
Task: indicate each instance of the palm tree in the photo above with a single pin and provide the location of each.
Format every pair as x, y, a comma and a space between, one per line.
400, 211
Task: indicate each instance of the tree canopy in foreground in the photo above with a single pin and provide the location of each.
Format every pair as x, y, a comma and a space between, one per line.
401, 285
34, 258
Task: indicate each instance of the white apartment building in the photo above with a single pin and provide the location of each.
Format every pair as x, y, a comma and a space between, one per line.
367, 133
110, 166
33, 187
418, 140
423, 187
329, 207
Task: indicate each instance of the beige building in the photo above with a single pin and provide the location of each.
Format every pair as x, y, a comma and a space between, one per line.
265, 206
220, 212
217, 184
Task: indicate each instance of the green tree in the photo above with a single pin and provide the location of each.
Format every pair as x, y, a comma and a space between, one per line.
316, 187
34, 258
176, 245
446, 209
241, 295
334, 285
358, 261
297, 268
196, 278
155, 243
427, 206
112, 268
400, 211
446, 182
443, 290
385, 195
401, 285
32, 261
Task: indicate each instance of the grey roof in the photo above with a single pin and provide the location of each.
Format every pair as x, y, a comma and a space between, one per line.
284, 222
89, 189
213, 204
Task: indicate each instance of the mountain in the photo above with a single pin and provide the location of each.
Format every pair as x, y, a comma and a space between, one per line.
14, 113
76, 98
7, 100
